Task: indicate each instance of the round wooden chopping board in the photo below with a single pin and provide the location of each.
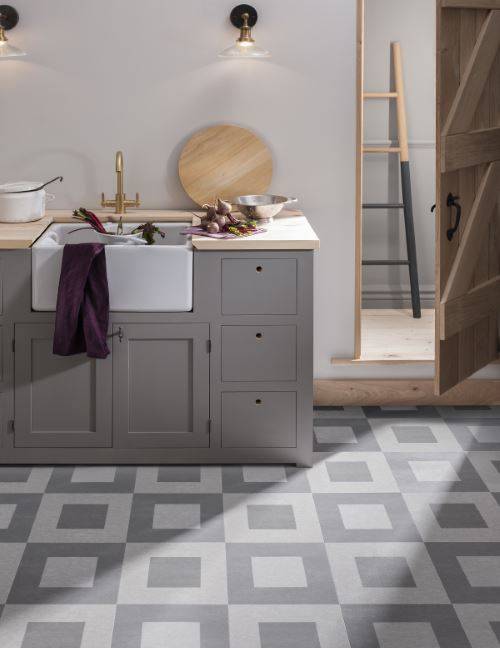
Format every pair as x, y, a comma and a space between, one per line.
225, 161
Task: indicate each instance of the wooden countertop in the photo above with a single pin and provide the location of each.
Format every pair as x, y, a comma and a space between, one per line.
16, 236
289, 231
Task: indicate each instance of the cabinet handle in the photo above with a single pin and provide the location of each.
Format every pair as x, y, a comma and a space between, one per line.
258, 401
120, 334
259, 336
258, 268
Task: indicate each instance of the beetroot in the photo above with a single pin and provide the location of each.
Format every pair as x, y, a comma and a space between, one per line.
89, 217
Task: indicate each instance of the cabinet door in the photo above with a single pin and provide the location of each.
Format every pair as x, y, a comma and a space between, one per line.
161, 385
60, 402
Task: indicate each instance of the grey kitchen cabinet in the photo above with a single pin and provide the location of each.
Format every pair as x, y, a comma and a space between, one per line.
61, 402
228, 382
161, 385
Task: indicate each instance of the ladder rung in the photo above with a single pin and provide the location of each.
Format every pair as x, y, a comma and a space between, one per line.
380, 95
381, 149
383, 206
384, 263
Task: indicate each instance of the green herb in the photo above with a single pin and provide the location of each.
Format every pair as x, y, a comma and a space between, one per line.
148, 231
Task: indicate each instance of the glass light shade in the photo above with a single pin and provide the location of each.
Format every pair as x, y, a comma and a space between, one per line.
244, 50
9, 51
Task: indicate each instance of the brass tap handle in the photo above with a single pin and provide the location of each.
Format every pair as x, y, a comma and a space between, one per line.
132, 203
106, 203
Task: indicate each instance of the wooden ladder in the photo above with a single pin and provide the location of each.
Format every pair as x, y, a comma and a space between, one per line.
406, 205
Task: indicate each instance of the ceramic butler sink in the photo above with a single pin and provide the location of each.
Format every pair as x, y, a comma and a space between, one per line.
141, 278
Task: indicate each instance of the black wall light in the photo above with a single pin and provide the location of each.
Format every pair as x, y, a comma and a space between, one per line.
8, 20
244, 17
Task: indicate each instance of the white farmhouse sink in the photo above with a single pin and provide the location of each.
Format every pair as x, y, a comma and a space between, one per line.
141, 278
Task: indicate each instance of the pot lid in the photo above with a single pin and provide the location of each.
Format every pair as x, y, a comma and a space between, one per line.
14, 187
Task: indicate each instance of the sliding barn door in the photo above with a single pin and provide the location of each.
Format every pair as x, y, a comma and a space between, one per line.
468, 188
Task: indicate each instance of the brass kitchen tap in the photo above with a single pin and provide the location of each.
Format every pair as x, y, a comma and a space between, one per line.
120, 203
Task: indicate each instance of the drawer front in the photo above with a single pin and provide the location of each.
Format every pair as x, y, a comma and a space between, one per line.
254, 353
259, 286
259, 419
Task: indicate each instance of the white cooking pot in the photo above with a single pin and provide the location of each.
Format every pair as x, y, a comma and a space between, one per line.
22, 207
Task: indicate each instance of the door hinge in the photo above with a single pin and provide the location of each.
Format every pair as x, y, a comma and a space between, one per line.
209, 346
12, 426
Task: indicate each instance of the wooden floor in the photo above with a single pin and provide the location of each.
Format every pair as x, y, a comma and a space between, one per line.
394, 336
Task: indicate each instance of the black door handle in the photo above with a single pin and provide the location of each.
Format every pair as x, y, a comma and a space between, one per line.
452, 201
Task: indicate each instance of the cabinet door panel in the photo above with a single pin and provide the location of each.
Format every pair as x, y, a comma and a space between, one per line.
62, 402
161, 385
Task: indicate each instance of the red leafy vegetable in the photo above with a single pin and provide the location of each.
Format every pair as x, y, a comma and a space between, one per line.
89, 217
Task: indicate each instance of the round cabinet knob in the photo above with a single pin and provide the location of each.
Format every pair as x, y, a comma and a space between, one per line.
259, 268
258, 336
258, 401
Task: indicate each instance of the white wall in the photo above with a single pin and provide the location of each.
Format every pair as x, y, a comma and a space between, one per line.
142, 76
412, 22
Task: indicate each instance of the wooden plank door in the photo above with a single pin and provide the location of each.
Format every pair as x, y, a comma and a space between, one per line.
468, 184
161, 385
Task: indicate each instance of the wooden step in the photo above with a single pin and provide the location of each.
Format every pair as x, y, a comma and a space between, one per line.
381, 149
380, 95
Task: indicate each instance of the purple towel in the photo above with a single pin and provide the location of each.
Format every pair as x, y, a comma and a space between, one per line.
82, 302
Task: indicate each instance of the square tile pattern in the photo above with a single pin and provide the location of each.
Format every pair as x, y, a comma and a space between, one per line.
390, 540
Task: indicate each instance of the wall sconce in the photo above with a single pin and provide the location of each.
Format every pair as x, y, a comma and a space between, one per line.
8, 19
244, 17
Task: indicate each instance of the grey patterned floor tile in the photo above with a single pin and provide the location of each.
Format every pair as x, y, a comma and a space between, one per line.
414, 412
481, 623
56, 626
17, 512
332, 435
24, 479
280, 574
362, 573
470, 572
390, 540
186, 626
330, 412
477, 433
82, 517
469, 411
404, 626
287, 626
68, 573
92, 479
254, 479
187, 518
419, 472
178, 479
352, 517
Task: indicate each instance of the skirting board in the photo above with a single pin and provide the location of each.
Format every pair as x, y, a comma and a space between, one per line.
395, 297
404, 392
